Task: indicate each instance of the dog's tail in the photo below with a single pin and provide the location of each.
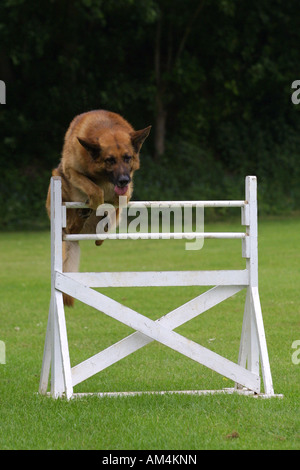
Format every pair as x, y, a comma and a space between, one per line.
71, 258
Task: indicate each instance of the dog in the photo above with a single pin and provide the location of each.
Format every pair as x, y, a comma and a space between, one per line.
99, 157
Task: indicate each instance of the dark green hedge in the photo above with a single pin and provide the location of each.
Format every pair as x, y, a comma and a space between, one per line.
221, 70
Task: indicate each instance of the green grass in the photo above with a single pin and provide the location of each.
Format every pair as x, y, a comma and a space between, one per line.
170, 422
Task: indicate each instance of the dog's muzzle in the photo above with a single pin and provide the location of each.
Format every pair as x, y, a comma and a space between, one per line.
122, 185
123, 181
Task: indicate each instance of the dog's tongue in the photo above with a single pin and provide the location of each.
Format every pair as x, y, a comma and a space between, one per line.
120, 191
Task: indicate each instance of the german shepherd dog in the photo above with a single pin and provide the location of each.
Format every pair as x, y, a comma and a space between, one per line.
99, 157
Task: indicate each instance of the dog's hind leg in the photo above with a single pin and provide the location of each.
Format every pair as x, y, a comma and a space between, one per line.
71, 258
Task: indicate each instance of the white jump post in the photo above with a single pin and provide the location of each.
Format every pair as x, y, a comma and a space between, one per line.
253, 349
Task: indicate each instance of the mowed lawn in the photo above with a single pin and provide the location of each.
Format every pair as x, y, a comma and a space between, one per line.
169, 422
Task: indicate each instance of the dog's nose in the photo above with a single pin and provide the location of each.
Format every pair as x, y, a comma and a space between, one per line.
123, 180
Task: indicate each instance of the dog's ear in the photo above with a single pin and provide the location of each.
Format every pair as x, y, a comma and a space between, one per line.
138, 137
93, 148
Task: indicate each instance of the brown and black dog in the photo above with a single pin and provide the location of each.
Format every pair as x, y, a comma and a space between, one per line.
99, 157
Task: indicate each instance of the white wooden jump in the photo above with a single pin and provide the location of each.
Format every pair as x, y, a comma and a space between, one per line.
253, 353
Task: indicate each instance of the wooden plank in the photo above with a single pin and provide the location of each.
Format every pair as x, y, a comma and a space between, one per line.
261, 338
65, 357
158, 332
57, 378
253, 356
162, 278
251, 230
249, 349
56, 224
168, 204
224, 391
137, 340
154, 236
245, 336
46, 364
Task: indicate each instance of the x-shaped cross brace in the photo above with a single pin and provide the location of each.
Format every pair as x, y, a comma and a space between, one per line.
160, 330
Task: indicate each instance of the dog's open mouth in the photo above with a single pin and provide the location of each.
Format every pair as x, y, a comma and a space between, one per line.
120, 191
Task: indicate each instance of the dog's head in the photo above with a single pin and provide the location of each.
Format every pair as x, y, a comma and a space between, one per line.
115, 152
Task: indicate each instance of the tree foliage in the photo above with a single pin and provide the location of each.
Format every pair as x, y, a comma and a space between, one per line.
212, 76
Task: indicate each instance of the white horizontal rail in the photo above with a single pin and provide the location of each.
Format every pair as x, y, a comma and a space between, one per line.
153, 236
223, 391
162, 278
169, 204
187, 203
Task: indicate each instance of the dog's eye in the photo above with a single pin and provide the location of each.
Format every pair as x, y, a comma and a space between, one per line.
127, 158
110, 160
